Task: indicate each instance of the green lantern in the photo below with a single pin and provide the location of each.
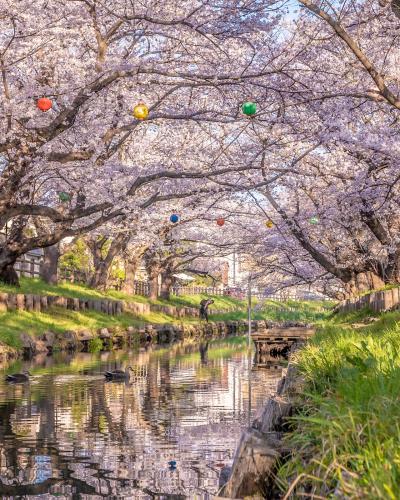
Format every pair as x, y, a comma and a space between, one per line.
314, 220
249, 108
64, 197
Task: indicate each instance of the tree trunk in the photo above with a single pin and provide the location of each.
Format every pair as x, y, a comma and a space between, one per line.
153, 268
99, 278
130, 274
153, 282
8, 274
166, 285
368, 281
102, 263
363, 282
131, 265
49, 268
392, 271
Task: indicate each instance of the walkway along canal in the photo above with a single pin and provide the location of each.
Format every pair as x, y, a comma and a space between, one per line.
169, 430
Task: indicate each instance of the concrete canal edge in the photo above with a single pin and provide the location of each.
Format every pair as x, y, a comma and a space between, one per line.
261, 448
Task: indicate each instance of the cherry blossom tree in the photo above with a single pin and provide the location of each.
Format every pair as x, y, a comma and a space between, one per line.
95, 64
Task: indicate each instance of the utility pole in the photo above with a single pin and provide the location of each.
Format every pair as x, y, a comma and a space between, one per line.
249, 310
234, 268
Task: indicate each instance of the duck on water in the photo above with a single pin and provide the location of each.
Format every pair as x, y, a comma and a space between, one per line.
18, 377
118, 374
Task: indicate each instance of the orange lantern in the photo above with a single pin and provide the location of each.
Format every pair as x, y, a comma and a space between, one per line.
269, 224
141, 111
44, 104
220, 221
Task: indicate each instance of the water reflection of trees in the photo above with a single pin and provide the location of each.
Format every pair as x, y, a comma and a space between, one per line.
72, 433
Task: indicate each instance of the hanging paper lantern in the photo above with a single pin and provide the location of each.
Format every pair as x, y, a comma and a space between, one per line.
44, 104
249, 108
269, 224
174, 218
220, 221
64, 196
314, 220
141, 111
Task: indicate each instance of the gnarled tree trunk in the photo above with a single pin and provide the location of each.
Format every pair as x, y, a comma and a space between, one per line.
102, 260
8, 274
49, 268
10, 251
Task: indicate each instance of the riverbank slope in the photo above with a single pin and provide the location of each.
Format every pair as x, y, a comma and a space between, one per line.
346, 434
60, 320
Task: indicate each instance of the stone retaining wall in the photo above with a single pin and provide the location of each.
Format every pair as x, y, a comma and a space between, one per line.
377, 301
116, 337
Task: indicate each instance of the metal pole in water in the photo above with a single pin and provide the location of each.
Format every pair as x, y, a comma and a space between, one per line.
249, 310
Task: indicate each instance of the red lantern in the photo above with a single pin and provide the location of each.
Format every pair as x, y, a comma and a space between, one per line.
44, 104
220, 221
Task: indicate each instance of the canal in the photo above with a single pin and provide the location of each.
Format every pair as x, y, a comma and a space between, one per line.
70, 434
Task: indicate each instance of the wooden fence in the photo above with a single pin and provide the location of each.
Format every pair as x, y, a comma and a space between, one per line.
142, 288
377, 301
197, 290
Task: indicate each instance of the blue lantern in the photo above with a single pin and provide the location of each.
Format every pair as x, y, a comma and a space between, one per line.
174, 218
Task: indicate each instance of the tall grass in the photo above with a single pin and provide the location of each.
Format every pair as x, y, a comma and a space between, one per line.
347, 435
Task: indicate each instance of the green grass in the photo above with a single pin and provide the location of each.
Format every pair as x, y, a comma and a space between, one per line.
347, 435
220, 301
58, 320
36, 286
302, 311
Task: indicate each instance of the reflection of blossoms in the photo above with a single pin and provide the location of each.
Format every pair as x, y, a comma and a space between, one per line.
129, 434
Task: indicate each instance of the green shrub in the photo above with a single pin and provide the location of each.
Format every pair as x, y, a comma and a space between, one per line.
95, 345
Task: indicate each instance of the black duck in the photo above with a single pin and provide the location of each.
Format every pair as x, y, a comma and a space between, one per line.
18, 377
118, 374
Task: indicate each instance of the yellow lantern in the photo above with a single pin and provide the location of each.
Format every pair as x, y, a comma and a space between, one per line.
141, 111
269, 224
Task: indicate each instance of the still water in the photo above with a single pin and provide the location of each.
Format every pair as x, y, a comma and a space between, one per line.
70, 434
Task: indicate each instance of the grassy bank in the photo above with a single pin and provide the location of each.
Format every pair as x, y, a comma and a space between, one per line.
78, 291
58, 320
347, 437
291, 310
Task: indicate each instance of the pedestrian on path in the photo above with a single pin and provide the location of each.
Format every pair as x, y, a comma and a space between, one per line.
204, 304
